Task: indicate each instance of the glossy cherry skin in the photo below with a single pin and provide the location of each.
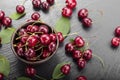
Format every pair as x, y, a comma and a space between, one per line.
20, 9
87, 54
69, 1
53, 37
34, 29
22, 32
2, 14
87, 22
69, 47
71, 4
30, 53
65, 69
45, 53
30, 71
7, 21
1, 76
83, 13
45, 6
19, 45
52, 47
24, 38
20, 52
36, 3
115, 42
77, 54
29, 27
51, 2
79, 41
32, 41
60, 37
117, 31
35, 16
44, 29
81, 78
66, 12
81, 63
45, 39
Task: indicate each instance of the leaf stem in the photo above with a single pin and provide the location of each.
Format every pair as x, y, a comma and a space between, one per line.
41, 78
103, 65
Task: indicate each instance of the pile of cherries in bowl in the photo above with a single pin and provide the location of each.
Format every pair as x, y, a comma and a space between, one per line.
35, 42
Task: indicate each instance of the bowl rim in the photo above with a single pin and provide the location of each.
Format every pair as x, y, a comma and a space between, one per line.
32, 62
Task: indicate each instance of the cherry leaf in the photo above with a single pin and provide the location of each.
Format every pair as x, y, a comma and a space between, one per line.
57, 74
6, 34
23, 78
4, 66
63, 25
17, 16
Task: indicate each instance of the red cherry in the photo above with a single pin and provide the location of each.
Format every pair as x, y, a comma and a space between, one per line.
45, 5
79, 41
115, 42
20, 52
77, 54
81, 78
65, 69
32, 41
22, 32
60, 37
35, 16
87, 54
117, 31
29, 27
44, 29
53, 37
20, 9
69, 47
45, 53
7, 21
24, 38
87, 22
45, 39
83, 13
69, 1
51, 2
71, 4
30, 71
1, 76
52, 47
2, 14
34, 29
30, 53
36, 3
66, 12
81, 63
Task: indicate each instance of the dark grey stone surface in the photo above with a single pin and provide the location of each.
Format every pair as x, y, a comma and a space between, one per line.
106, 17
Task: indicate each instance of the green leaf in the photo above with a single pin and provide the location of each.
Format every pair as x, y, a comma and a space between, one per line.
23, 78
71, 40
57, 74
4, 66
63, 25
6, 34
17, 16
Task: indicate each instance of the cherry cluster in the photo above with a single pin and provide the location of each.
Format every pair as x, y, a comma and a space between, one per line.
43, 5
83, 16
5, 21
78, 51
67, 10
36, 41
115, 42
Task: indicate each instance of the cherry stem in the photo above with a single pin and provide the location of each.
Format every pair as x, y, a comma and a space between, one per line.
76, 33
38, 21
39, 48
41, 78
103, 65
24, 2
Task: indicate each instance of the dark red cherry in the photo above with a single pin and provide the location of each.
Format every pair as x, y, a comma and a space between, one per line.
81, 78
71, 4
20, 9
65, 69
81, 63
22, 32
51, 2
79, 41
36, 3
53, 37
7, 21
20, 52
83, 13
32, 41
115, 42
52, 47
87, 54
1, 76
29, 27
2, 14
69, 1
69, 47
117, 31
45, 39
45, 53
24, 38
34, 29
30, 53
77, 54
19, 45
60, 37
66, 12
30, 71
35, 16
87, 22
44, 29
45, 5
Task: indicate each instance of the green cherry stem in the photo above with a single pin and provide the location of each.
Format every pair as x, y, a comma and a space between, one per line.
38, 21
103, 65
75, 33
41, 78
